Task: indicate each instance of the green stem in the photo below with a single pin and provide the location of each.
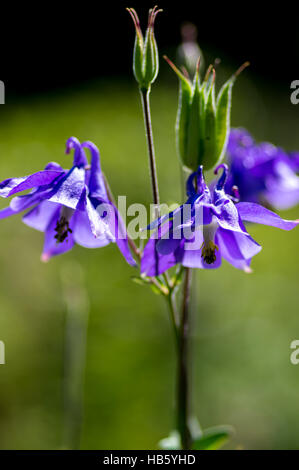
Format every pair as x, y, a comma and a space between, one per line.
180, 328
173, 315
150, 145
183, 372
112, 199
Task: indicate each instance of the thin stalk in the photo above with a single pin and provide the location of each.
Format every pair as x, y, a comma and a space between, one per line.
112, 199
173, 315
181, 330
150, 145
183, 372
151, 153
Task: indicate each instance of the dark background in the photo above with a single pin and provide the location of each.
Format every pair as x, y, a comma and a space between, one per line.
53, 45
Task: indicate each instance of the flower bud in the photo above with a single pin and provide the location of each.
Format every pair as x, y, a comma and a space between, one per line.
203, 122
145, 55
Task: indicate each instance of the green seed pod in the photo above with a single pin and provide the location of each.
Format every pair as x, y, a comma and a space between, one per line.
210, 153
145, 56
203, 123
195, 128
182, 123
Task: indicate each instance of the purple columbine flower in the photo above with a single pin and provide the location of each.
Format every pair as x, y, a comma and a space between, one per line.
70, 206
207, 228
262, 172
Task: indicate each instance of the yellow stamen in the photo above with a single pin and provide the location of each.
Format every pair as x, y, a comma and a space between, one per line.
62, 230
208, 252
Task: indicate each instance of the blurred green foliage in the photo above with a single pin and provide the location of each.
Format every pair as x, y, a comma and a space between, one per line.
243, 323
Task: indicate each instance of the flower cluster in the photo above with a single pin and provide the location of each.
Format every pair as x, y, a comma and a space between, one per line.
70, 206
73, 206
